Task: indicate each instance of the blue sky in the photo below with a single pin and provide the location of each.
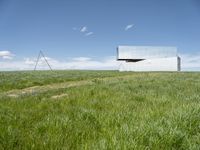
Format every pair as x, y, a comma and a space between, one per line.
92, 29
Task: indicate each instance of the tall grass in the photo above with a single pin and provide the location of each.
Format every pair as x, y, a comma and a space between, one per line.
142, 111
23, 79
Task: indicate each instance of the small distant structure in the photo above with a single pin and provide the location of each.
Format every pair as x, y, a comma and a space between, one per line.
41, 55
148, 58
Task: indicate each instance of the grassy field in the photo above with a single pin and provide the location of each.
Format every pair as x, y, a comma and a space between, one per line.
99, 110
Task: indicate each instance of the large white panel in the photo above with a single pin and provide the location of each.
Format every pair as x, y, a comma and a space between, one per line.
159, 64
145, 52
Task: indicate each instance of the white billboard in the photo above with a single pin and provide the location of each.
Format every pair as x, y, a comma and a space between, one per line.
145, 52
148, 58
159, 64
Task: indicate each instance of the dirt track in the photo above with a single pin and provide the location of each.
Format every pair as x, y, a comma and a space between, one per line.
40, 89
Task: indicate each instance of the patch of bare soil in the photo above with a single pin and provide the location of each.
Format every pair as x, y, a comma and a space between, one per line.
59, 96
39, 89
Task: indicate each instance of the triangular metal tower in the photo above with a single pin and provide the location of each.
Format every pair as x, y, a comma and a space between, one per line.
41, 54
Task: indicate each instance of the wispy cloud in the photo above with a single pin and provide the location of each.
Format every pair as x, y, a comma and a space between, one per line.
89, 33
129, 27
6, 54
83, 29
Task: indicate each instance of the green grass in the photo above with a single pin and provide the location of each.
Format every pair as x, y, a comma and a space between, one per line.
117, 111
23, 79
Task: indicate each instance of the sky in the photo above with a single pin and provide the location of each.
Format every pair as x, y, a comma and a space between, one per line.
84, 34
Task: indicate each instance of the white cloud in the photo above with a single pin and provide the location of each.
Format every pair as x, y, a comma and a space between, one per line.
29, 61
109, 63
89, 33
83, 29
81, 59
189, 62
83, 63
6, 55
128, 27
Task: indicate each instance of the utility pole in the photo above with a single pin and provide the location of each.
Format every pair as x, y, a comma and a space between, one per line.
41, 54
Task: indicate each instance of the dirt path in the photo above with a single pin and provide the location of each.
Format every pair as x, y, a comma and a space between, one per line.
44, 88
40, 89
